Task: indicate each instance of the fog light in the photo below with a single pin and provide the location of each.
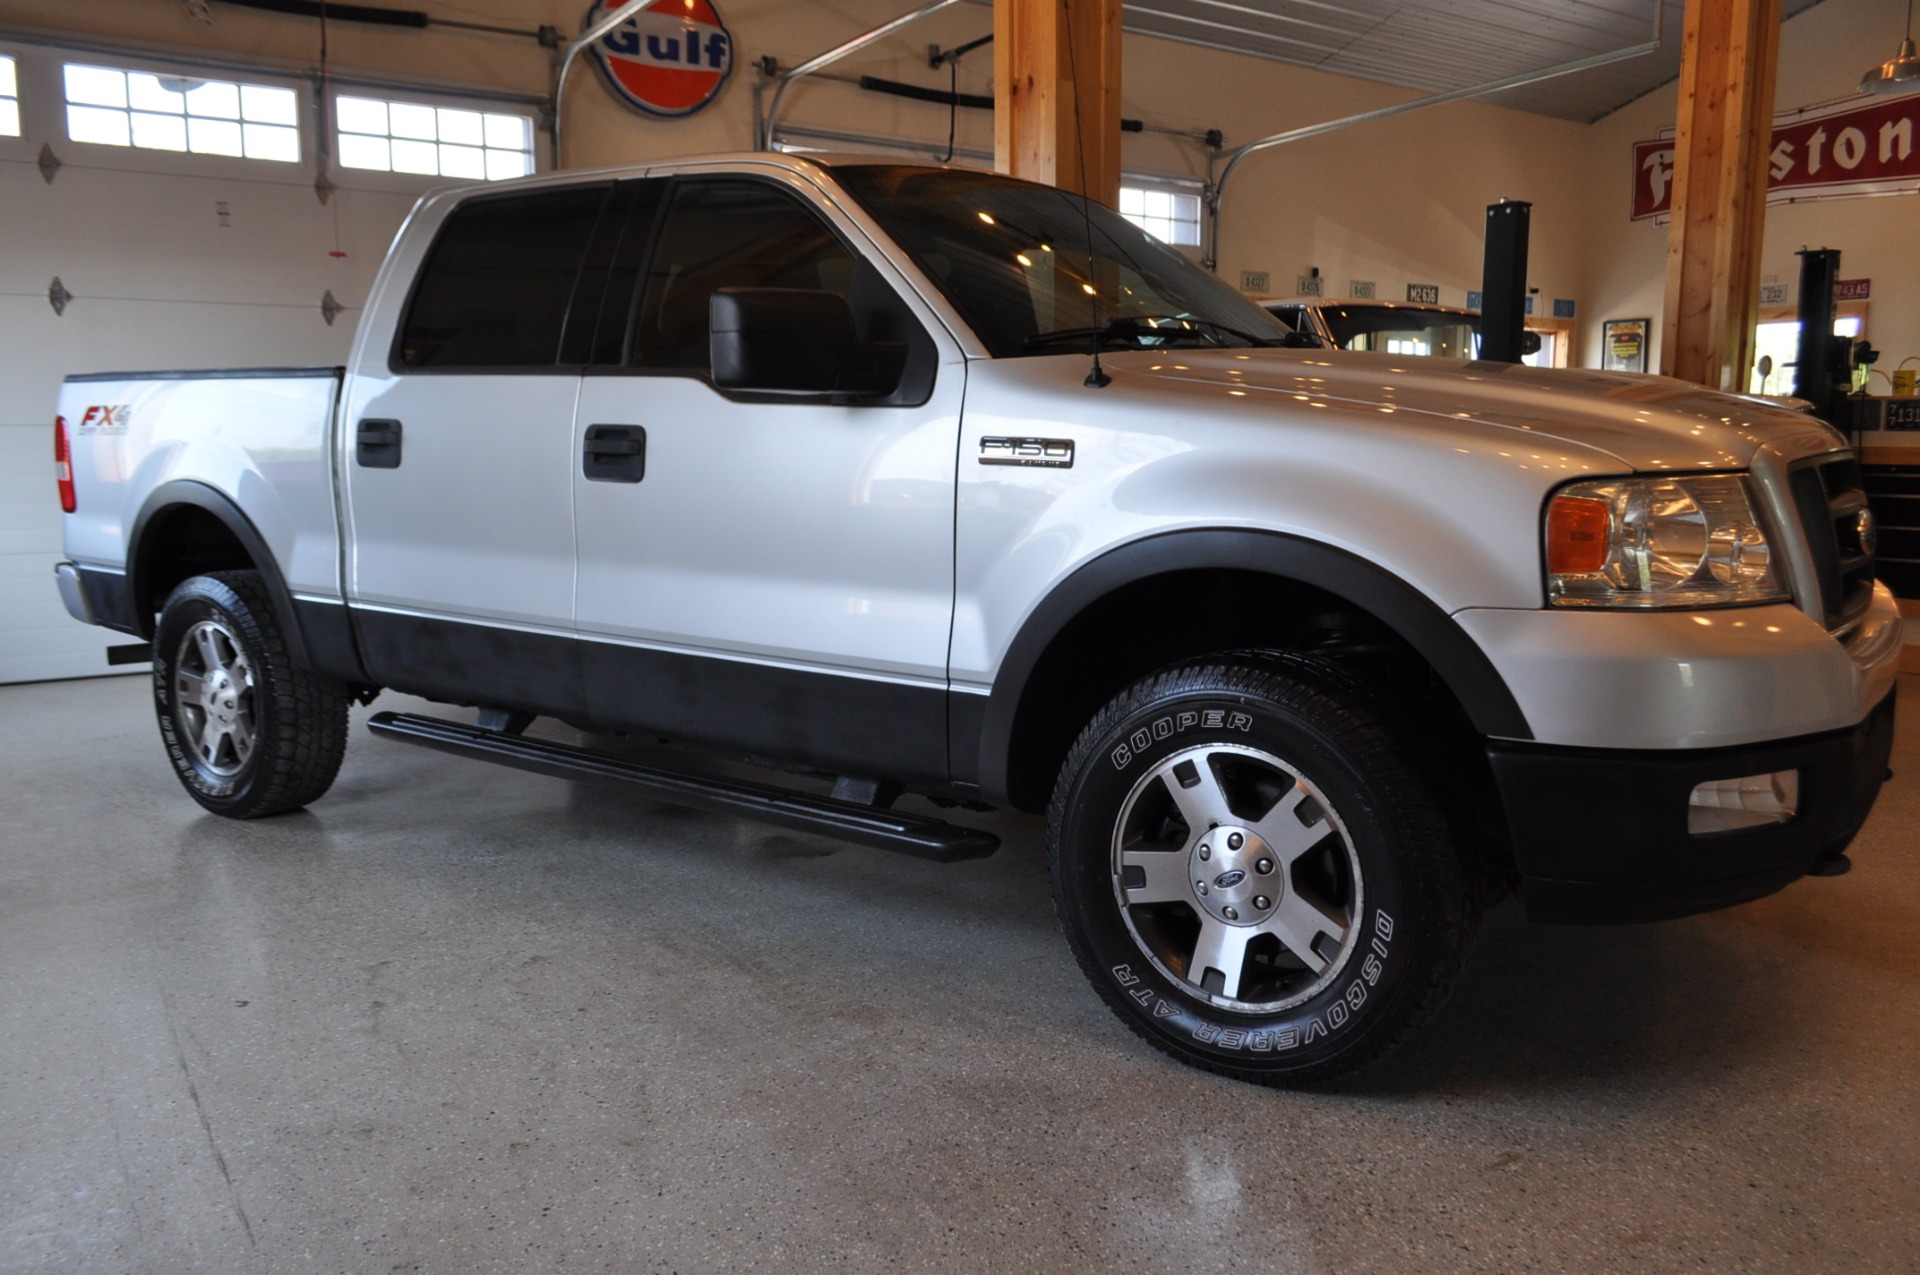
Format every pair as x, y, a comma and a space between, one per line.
1752, 801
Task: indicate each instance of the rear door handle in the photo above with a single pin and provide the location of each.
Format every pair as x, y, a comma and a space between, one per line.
377, 444
615, 454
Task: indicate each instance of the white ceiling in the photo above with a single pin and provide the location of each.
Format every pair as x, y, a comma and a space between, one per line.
1441, 45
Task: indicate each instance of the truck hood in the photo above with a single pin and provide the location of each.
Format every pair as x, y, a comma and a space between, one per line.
1646, 422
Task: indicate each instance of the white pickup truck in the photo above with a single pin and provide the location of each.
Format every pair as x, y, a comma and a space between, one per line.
933, 481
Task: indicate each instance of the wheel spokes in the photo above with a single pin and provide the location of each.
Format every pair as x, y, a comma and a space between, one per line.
1282, 829
211, 733
1298, 922
1202, 803
1166, 876
189, 687
1222, 948
205, 640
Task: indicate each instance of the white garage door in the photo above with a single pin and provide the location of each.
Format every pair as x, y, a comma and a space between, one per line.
189, 233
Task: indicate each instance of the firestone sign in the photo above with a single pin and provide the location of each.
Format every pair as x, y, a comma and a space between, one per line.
668, 59
1861, 146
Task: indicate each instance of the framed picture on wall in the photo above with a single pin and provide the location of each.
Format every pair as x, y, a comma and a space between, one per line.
1624, 345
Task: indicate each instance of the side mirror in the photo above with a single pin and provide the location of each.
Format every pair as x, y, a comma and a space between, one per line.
796, 339
1529, 343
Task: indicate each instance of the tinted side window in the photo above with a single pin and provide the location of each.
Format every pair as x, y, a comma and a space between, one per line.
728, 233
495, 287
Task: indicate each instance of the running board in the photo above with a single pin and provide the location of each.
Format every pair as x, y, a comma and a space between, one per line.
920, 835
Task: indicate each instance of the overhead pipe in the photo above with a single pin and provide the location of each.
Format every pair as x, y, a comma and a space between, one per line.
1524, 78
588, 38
764, 129
548, 37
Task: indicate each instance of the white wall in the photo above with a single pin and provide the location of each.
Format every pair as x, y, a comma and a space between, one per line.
174, 261
1823, 52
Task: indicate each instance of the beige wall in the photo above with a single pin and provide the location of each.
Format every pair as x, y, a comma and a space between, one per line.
1823, 52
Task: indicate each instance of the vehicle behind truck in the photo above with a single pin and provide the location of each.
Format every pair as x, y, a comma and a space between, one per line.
932, 482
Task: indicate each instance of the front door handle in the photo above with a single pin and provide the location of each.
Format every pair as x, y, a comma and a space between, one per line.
377, 444
615, 454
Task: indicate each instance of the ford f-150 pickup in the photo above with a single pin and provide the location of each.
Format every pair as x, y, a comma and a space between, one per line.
932, 481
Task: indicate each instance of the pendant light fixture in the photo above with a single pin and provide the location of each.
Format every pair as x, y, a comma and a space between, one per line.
1902, 74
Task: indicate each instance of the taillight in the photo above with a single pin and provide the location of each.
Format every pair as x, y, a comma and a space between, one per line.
63, 463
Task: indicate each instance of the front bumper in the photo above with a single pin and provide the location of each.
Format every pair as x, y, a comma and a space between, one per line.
1601, 835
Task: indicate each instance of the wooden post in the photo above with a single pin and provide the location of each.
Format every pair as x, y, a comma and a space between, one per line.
1725, 133
1037, 76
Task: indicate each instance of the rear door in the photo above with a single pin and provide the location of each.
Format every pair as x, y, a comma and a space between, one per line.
768, 573
458, 457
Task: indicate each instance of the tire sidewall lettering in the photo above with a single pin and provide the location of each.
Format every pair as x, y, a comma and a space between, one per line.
1165, 727
1280, 1035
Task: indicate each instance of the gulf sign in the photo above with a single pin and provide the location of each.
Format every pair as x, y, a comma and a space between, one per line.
669, 59
1858, 146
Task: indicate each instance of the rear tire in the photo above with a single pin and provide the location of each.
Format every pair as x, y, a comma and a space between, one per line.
248, 733
1253, 875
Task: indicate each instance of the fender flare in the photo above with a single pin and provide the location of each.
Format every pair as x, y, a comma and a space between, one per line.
1455, 657
169, 496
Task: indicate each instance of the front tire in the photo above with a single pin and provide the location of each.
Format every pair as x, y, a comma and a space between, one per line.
1251, 872
248, 733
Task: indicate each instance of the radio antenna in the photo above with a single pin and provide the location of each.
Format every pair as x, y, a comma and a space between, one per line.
1098, 378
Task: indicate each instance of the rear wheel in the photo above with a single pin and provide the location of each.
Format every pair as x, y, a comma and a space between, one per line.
1252, 874
248, 733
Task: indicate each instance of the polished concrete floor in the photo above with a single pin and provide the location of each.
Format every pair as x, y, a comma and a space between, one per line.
461, 1019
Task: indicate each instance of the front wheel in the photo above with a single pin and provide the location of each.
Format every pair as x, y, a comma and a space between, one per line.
248, 732
1252, 874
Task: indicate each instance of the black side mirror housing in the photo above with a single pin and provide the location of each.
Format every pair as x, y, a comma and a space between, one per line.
796, 340
1529, 343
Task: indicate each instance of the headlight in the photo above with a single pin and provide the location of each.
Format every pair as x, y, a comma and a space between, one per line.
1659, 542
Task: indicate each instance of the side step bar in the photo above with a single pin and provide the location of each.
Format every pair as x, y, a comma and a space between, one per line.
920, 835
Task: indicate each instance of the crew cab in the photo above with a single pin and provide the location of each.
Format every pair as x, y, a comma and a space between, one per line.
931, 481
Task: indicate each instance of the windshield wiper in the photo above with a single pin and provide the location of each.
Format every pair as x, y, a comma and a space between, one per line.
1144, 331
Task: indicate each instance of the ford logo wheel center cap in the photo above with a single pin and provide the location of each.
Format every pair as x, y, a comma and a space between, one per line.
1236, 876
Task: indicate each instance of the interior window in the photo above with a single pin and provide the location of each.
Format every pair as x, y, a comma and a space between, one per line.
495, 289
728, 233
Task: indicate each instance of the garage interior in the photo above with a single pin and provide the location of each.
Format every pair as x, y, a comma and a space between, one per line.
458, 1018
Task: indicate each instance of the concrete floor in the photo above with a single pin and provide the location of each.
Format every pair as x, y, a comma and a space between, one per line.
456, 1018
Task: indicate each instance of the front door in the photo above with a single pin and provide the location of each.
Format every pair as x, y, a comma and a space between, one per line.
764, 573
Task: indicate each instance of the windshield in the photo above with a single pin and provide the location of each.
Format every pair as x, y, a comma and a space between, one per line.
1400, 330
1012, 258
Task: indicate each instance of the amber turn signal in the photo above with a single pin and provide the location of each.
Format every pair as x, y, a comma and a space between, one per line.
1577, 535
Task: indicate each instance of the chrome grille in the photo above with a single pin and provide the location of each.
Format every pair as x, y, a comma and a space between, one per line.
1831, 501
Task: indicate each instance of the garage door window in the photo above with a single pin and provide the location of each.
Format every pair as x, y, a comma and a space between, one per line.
1169, 216
111, 107
434, 141
9, 99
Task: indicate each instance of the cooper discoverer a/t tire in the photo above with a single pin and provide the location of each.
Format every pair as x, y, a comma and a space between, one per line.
248, 733
1252, 873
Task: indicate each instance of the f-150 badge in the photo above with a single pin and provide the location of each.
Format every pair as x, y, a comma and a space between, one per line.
1039, 453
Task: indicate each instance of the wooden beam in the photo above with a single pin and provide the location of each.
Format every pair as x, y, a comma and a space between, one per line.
1729, 52
1046, 55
